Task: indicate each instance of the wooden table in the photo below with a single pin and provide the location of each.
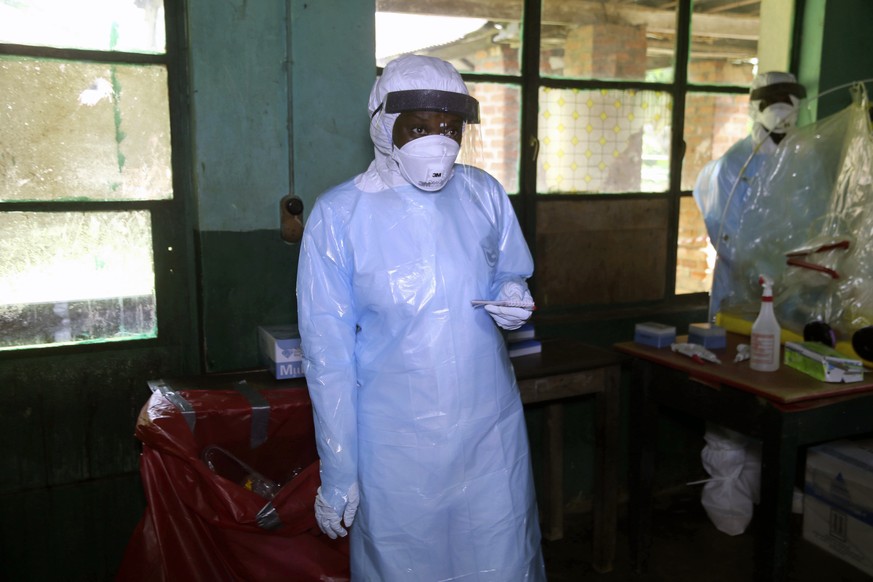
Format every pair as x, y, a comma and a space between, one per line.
566, 369
786, 409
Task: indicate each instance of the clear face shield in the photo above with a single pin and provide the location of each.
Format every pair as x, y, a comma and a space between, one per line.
448, 133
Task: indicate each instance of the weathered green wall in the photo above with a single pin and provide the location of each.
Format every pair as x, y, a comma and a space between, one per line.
280, 106
69, 482
836, 49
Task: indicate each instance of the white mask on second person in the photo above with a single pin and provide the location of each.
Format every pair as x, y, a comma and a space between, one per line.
427, 162
779, 117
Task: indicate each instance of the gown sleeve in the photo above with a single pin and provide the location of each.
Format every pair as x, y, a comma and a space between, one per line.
327, 321
514, 261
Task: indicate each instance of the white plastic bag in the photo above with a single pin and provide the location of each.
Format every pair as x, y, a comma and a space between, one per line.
733, 462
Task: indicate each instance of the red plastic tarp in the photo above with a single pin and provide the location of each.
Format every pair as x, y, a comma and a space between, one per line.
199, 525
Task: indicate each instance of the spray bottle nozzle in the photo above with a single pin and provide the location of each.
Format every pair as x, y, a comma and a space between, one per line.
767, 284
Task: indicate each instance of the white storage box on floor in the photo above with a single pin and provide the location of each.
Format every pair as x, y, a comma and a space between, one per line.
838, 500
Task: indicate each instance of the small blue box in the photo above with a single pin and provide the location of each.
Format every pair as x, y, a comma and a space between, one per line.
280, 350
657, 335
524, 347
708, 335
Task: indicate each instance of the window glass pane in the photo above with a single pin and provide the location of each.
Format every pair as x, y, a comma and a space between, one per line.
500, 112
119, 25
83, 131
479, 37
713, 123
724, 42
603, 141
608, 39
75, 277
695, 256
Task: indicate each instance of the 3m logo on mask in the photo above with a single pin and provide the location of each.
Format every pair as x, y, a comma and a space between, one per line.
434, 181
427, 162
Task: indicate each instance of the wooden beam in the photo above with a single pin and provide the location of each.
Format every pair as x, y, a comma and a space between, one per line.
576, 12
732, 6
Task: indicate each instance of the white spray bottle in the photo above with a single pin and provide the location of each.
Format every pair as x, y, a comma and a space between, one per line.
766, 333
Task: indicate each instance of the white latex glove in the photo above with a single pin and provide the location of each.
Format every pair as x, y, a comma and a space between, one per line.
511, 317
327, 517
514, 291
508, 317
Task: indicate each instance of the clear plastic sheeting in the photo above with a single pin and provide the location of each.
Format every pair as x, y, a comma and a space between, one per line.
808, 224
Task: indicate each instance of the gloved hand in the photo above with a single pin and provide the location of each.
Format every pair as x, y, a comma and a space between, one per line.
508, 317
327, 517
511, 317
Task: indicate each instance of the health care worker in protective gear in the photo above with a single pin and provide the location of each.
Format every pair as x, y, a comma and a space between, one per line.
419, 423
732, 459
723, 186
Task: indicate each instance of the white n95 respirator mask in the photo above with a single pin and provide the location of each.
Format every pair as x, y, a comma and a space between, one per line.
427, 162
779, 117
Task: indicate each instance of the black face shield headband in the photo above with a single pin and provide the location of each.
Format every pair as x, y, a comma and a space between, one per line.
432, 100
777, 90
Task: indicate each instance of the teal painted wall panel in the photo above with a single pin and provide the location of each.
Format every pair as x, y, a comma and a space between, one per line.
836, 49
239, 101
810, 56
248, 280
71, 418
70, 493
71, 533
847, 51
243, 143
333, 70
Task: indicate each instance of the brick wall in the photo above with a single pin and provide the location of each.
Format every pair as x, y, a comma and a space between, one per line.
713, 123
606, 51
500, 113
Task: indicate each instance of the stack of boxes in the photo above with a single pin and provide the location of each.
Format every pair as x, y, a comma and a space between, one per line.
838, 500
523, 341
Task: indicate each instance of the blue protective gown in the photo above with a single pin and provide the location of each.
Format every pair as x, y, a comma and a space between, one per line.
414, 395
723, 211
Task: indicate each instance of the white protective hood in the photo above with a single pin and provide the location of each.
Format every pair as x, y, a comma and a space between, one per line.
402, 74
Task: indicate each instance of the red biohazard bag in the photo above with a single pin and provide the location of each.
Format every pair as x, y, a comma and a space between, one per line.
230, 473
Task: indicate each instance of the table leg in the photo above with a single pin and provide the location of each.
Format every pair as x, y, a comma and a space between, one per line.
553, 461
642, 449
605, 510
778, 473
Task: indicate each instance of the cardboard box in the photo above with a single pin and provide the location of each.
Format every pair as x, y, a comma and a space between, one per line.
838, 500
657, 335
280, 350
822, 362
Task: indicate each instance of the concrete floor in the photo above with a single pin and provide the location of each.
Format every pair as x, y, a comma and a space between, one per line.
686, 547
